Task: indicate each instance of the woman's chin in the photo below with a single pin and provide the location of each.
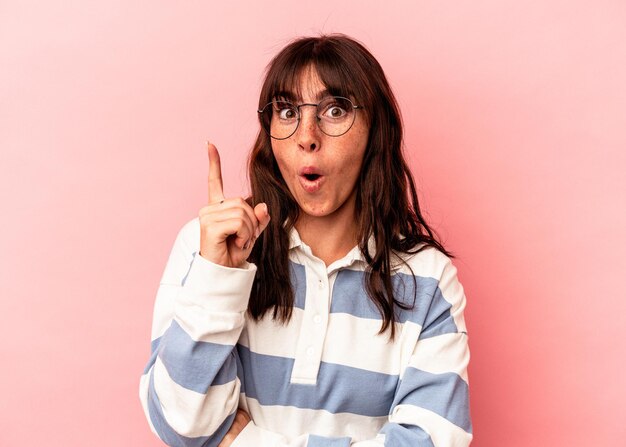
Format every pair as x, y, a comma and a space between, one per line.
315, 211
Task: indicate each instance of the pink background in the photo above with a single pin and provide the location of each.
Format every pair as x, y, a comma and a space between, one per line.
515, 118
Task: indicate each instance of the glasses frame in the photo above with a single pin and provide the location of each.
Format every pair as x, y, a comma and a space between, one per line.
297, 107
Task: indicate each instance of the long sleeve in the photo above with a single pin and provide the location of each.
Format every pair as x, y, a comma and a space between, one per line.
190, 389
430, 407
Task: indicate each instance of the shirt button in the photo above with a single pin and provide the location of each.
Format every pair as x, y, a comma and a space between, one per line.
320, 284
309, 351
317, 319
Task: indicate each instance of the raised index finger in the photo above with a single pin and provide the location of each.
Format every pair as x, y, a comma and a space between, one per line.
216, 192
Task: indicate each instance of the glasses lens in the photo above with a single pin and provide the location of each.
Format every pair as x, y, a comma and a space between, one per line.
280, 119
336, 115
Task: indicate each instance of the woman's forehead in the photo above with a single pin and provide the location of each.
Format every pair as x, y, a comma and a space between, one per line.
307, 86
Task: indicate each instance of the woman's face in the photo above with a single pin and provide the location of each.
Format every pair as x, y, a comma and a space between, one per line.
321, 171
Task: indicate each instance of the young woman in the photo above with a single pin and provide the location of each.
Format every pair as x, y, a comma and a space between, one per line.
322, 310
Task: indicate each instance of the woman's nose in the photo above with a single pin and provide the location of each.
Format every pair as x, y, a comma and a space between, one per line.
308, 134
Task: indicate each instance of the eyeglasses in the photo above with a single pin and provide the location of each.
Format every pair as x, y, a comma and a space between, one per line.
335, 116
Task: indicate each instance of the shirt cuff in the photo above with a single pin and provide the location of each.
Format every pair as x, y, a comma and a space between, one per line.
226, 289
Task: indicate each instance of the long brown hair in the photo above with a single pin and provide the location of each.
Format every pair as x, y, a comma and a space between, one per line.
387, 207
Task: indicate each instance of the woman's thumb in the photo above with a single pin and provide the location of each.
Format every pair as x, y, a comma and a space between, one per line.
262, 214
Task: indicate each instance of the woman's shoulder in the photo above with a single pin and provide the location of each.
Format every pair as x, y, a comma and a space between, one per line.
423, 260
437, 283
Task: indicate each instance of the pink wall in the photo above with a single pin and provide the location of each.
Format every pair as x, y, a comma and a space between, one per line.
516, 129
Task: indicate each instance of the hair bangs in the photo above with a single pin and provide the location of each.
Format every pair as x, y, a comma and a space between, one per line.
285, 72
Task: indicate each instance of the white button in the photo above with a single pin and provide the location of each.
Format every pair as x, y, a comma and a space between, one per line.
309, 351
317, 319
320, 284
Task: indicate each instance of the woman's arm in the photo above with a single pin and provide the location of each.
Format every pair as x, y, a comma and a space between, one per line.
190, 389
431, 405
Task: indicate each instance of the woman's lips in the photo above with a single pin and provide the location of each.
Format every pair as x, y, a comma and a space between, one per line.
311, 183
311, 178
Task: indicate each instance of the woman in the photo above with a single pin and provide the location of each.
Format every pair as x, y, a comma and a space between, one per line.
339, 319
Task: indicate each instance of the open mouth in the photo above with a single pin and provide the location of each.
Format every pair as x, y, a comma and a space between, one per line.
310, 179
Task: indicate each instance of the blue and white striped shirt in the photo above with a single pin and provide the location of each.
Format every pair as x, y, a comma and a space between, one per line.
327, 378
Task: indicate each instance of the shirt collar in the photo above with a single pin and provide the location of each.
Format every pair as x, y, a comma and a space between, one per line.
353, 255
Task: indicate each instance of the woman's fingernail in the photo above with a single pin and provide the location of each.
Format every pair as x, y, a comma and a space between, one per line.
257, 232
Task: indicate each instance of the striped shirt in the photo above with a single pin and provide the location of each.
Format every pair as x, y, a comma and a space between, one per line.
326, 378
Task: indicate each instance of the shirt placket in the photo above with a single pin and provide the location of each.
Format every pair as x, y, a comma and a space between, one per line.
314, 325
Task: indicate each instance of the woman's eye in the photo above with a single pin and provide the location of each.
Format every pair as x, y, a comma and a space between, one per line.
335, 111
286, 113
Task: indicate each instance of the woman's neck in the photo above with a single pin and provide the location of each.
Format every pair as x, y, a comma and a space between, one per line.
330, 237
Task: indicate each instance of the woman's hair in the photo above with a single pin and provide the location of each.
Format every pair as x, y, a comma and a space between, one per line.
387, 207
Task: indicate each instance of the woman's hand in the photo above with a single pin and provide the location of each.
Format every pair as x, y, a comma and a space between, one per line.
241, 420
228, 227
